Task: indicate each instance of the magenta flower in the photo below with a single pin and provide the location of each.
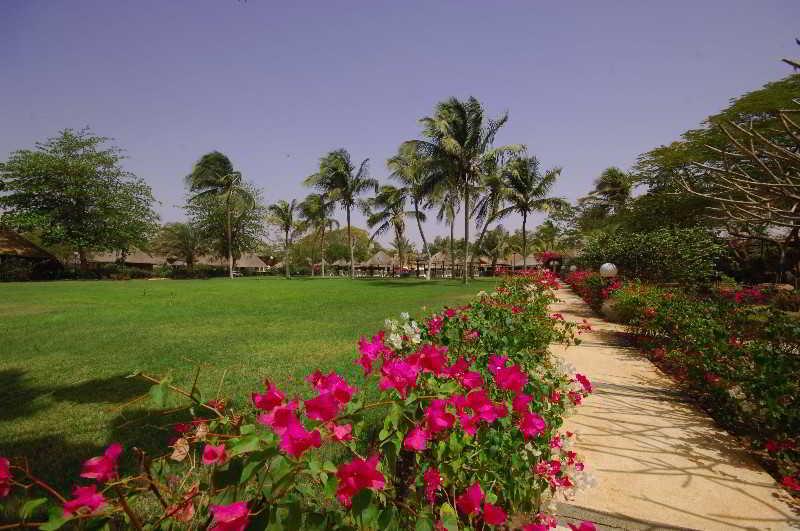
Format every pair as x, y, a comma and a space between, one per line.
470, 500
233, 517
437, 418
471, 335
416, 439
431, 358
496, 363
334, 384
5, 477
433, 482
280, 418
399, 375
520, 403
324, 407
511, 378
791, 483
214, 455
270, 399
435, 325
449, 313
458, 368
531, 425
583, 526
341, 432
494, 515
575, 398
104, 467
585, 383
86, 501
370, 351
471, 380
296, 439
357, 475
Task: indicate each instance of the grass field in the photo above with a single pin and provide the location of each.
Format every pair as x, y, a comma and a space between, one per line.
66, 347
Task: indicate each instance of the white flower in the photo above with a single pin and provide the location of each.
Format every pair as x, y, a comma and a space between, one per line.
396, 341
404, 316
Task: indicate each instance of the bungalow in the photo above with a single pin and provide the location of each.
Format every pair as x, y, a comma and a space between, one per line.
134, 258
12, 245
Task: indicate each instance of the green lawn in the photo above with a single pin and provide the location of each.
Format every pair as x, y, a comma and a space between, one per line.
65, 348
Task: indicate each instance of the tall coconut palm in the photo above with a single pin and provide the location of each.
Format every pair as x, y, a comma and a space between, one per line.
283, 215
387, 210
339, 180
316, 211
180, 240
492, 200
410, 170
213, 175
612, 191
447, 199
527, 191
459, 142
496, 244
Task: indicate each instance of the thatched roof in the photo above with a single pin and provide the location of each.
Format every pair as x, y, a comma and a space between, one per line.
134, 256
440, 258
516, 260
341, 262
380, 259
12, 244
248, 260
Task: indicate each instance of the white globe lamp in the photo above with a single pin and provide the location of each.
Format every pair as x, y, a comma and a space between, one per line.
608, 270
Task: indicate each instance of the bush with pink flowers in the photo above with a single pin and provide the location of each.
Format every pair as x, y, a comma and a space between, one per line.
471, 402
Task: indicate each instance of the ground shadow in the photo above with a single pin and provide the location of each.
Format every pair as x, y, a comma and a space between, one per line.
17, 397
114, 389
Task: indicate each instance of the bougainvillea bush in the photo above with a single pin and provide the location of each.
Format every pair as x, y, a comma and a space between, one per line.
471, 404
592, 287
739, 356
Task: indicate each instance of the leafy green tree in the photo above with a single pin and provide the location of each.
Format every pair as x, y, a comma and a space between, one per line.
387, 210
180, 240
213, 175
231, 225
527, 190
458, 141
612, 191
284, 215
339, 180
497, 244
70, 189
316, 211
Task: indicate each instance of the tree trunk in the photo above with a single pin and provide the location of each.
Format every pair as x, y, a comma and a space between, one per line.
466, 232
230, 243
452, 247
350, 243
286, 255
83, 259
322, 252
524, 242
424, 242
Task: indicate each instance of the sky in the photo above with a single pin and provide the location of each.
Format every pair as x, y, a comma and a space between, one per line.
276, 85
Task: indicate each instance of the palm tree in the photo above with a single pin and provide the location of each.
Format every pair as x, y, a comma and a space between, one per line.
459, 143
180, 240
491, 201
447, 199
612, 191
387, 210
282, 214
316, 210
411, 171
213, 175
337, 180
527, 190
496, 244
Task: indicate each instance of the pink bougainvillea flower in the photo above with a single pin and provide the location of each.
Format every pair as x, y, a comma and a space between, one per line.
517, 309
214, 455
583, 526
104, 467
494, 515
323, 407
433, 482
520, 403
575, 398
281, 417
434, 325
511, 378
341, 432
416, 439
399, 375
791, 483
232, 517
711, 378
356, 475
470, 500
531, 425
459, 367
496, 363
471, 380
217, 404
86, 500
432, 359
332, 383
469, 423
5, 477
449, 313
536, 527
584, 381
555, 397
182, 427
437, 418
557, 317
268, 400
370, 351
556, 442
296, 439
471, 335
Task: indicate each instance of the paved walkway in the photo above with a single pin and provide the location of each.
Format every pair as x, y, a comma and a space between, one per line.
660, 462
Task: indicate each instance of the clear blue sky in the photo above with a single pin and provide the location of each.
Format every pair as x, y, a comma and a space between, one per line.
274, 85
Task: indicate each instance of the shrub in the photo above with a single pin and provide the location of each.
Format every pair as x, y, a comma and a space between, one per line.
686, 256
471, 403
592, 287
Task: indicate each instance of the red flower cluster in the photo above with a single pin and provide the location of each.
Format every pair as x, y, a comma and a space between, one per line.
357, 475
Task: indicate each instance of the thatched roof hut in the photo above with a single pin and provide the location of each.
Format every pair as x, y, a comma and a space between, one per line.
14, 245
134, 258
380, 259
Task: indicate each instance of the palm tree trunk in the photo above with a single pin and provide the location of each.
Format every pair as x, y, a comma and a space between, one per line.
286, 254
424, 241
322, 251
230, 243
466, 233
350, 243
524, 242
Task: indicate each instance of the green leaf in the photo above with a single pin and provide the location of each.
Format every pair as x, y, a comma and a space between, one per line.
294, 518
424, 521
27, 509
56, 519
449, 517
246, 444
158, 394
361, 501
